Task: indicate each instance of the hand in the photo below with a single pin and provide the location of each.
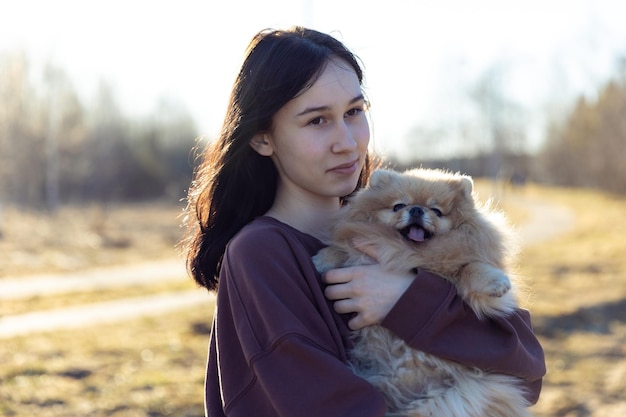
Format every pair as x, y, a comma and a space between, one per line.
370, 291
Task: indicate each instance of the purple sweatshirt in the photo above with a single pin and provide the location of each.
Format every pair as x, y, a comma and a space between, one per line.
279, 349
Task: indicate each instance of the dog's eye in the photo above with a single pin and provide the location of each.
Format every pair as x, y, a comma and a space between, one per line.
437, 211
399, 207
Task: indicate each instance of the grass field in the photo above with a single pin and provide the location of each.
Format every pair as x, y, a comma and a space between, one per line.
141, 367
87, 236
578, 283
151, 367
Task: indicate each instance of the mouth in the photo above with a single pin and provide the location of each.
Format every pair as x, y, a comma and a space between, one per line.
349, 167
416, 233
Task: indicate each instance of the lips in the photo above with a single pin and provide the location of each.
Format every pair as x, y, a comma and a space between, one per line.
346, 168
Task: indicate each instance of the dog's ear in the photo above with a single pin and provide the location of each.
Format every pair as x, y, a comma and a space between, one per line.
465, 185
381, 178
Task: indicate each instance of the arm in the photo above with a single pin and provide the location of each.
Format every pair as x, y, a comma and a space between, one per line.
280, 352
428, 314
432, 317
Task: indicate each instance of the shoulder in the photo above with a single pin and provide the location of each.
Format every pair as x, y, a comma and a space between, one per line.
266, 256
266, 242
265, 233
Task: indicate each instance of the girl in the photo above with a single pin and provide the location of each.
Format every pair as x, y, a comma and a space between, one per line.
293, 144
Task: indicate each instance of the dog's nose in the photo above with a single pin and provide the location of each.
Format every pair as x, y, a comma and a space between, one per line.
416, 211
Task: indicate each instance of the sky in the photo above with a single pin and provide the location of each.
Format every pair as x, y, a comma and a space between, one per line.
421, 57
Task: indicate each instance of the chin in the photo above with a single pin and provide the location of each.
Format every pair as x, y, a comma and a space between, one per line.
347, 188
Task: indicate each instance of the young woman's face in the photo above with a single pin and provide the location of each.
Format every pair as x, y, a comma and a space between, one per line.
319, 139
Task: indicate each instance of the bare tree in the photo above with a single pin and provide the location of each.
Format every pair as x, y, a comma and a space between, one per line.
52, 77
53, 149
500, 129
586, 149
21, 150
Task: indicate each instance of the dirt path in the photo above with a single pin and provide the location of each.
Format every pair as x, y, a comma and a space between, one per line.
103, 312
544, 221
93, 279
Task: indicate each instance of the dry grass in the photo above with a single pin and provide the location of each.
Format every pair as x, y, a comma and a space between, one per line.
146, 367
155, 367
81, 237
54, 301
578, 283
142, 367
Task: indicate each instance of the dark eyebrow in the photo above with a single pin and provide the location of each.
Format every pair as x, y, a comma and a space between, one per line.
324, 108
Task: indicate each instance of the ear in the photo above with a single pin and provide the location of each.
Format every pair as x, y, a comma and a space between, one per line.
261, 144
380, 178
466, 185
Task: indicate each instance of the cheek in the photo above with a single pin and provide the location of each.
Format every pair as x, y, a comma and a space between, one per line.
387, 217
443, 224
399, 219
361, 133
299, 148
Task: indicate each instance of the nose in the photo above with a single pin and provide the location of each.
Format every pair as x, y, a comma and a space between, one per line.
416, 212
344, 140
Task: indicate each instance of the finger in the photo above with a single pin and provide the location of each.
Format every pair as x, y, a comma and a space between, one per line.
337, 292
336, 276
364, 318
344, 306
356, 323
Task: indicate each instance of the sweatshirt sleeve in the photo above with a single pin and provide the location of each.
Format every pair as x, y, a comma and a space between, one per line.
278, 351
432, 317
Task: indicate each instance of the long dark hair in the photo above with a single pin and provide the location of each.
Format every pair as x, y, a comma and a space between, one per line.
233, 183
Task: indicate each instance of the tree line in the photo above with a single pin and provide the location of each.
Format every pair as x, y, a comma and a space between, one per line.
583, 146
56, 149
588, 147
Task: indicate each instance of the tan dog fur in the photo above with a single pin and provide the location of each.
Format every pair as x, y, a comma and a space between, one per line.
456, 238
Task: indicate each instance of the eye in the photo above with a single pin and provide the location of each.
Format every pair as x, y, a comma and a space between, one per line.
317, 121
354, 112
437, 211
399, 207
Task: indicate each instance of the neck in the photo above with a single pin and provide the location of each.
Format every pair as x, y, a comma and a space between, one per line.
313, 218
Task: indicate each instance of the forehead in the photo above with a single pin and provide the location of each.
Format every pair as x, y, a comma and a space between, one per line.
337, 84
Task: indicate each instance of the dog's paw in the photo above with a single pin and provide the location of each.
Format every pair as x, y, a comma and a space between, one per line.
319, 262
498, 285
482, 280
329, 258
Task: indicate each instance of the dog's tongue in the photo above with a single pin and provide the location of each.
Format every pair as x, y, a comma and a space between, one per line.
416, 234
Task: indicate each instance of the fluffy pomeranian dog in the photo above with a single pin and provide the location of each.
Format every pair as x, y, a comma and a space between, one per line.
429, 219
